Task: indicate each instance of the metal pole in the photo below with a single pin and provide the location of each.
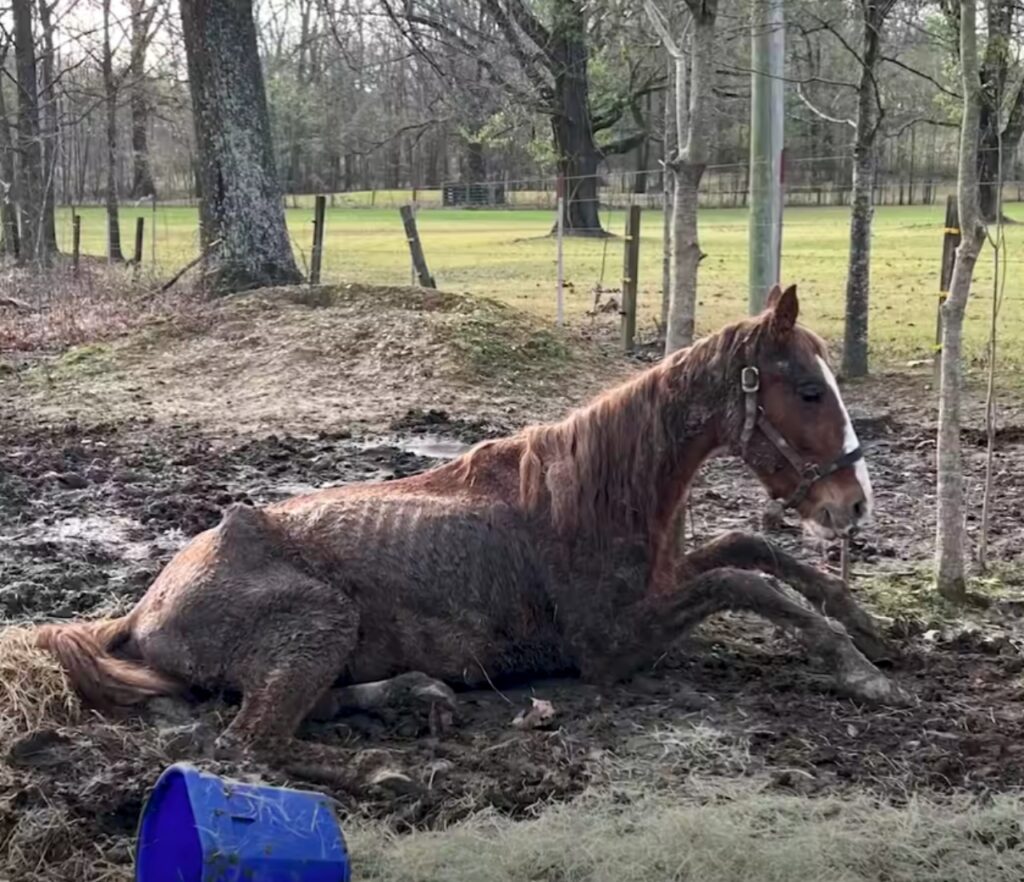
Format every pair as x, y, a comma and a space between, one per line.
767, 112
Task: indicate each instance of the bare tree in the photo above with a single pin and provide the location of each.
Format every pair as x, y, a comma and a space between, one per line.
8, 218
688, 161
32, 184
49, 126
110, 94
241, 210
143, 19
951, 534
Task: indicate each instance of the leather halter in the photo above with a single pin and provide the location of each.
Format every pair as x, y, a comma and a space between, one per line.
754, 418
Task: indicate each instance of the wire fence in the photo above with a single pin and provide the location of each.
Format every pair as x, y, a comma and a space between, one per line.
491, 250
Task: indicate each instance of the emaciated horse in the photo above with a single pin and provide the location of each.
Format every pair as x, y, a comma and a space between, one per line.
547, 551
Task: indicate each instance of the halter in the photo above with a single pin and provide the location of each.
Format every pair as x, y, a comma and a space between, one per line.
754, 418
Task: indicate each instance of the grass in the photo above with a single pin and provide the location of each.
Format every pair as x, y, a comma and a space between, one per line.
732, 837
508, 255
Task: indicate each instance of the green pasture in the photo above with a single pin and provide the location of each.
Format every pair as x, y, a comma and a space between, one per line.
509, 255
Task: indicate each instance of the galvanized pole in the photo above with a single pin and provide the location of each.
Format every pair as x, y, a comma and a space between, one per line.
767, 112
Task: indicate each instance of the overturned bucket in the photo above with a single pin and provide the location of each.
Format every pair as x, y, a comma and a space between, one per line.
197, 827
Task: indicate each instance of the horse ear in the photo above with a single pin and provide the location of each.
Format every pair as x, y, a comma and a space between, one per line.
773, 297
785, 310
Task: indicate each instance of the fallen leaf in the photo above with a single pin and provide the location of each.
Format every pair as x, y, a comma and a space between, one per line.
537, 715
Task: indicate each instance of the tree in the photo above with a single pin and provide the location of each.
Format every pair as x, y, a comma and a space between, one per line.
8, 219
870, 112
951, 536
688, 160
34, 245
241, 214
110, 91
552, 57
143, 18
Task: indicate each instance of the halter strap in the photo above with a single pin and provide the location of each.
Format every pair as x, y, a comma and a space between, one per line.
754, 418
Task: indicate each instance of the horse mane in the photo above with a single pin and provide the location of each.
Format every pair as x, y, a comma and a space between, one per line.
604, 469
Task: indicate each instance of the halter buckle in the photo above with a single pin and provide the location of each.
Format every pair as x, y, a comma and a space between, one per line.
750, 379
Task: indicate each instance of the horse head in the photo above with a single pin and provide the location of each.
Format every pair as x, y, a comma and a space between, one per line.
796, 433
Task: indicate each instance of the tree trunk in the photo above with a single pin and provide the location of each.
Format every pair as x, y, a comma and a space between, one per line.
670, 144
242, 208
114, 254
858, 274
572, 126
31, 188
8, 219
142, 173
951, 534
50, 131
687, 171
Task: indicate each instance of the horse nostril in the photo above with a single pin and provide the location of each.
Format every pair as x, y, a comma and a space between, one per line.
859, 509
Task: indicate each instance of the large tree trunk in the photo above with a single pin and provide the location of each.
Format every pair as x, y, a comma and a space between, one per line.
241, 209
572, 126
50, 131
858, 275
31, 187
142, 173
951, 537
114, 254
687, 171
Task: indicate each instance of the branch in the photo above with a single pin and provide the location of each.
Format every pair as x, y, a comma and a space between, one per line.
922, 75
623, 145
817, 111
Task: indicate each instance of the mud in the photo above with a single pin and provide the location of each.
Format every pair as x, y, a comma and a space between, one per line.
90, 512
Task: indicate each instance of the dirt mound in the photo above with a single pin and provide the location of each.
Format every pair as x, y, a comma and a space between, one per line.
301, 359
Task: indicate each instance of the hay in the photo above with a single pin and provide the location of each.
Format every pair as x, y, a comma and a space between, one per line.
34, 690
752, 835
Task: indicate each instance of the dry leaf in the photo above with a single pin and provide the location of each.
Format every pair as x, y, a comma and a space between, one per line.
539, 714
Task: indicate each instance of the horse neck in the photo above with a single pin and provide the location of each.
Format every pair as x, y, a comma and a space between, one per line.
626, 461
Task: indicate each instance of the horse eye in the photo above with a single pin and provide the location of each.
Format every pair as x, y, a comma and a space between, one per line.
810, 392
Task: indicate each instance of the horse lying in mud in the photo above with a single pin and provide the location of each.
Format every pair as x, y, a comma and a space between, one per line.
547, 551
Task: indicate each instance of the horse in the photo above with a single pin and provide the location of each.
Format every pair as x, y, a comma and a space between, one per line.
551, 550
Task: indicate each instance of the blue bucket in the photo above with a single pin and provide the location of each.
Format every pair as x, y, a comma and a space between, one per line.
197, 827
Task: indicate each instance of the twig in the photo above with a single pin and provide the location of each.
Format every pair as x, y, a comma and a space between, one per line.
166, 286
490, 682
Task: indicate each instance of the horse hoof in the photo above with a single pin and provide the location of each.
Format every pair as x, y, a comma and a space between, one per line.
875, 688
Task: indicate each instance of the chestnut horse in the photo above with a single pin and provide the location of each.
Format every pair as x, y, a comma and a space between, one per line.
547, 551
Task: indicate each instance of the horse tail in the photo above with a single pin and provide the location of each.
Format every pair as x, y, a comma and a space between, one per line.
103, 681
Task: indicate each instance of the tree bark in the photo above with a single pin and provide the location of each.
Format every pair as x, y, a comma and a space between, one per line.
31, 187
671, 144
110, 85
50, 130
687, 171
8, 219
951, 534
142, 172
571, 123
242, 208
858, 275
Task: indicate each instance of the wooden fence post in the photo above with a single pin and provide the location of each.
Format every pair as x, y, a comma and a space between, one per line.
140, 227
76, 241
630, 270
950, 242
412, 236
316, 259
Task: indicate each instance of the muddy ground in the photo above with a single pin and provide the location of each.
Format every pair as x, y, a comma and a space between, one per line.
90, 510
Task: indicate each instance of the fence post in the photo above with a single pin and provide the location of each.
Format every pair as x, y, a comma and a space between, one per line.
140, 226
412, 236
559, 253
630, 270
76, 241
950, 242
316, 259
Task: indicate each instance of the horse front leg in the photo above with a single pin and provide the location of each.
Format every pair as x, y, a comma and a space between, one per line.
648, 627
826, 593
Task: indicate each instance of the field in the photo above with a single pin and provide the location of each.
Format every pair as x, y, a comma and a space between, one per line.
509, 256
730, 759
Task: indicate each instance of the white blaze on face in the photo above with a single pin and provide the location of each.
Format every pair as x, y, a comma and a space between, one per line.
850, 442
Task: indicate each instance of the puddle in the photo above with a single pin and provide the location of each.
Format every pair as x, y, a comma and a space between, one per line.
427, 446
113, 534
